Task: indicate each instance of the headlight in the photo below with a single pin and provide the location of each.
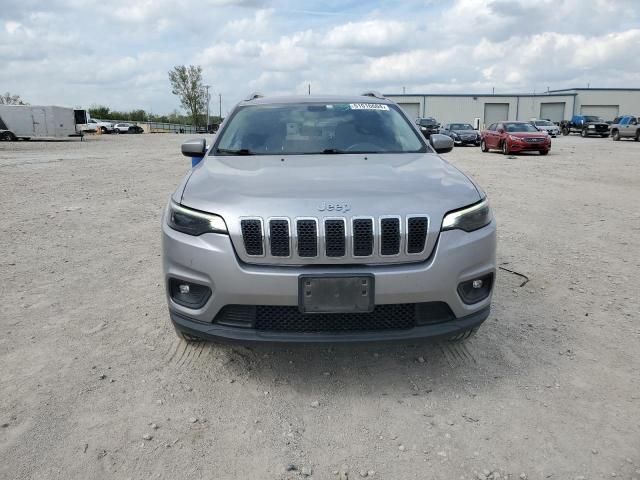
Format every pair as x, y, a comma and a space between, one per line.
193, 222
423, 128
591, 126
469, 218
516, 139
455, 135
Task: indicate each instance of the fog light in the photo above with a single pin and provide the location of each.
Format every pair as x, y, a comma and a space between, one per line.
188, 294
476, 290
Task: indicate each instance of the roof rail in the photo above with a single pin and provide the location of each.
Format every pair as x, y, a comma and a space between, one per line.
253, 96
372, 93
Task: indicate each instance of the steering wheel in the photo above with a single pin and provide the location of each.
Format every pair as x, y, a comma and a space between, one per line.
364, 146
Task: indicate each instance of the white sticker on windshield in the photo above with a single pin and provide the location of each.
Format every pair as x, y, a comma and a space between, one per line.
368, 106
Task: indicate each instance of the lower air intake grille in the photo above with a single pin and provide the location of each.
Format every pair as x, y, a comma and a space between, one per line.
362, 237
290, 319
281, 318
416, 234
389, 236
307, 238
334, 238
279, 238
252, 236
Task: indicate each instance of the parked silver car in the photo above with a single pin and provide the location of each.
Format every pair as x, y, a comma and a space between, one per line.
626, 127
546, 126
326, 219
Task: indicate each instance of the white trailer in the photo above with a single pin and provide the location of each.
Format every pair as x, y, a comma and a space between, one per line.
33, 121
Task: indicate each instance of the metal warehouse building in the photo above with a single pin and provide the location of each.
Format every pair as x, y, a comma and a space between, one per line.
555, 105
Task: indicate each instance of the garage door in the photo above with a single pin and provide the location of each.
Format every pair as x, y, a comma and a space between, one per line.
495, 112
552, 111
411, 109
606, 112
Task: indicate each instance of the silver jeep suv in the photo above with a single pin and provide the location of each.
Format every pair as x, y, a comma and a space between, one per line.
326, 219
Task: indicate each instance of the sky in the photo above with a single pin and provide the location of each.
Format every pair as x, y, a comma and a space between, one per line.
117, 53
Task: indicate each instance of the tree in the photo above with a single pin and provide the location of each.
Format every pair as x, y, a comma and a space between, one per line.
8, 99
186, 83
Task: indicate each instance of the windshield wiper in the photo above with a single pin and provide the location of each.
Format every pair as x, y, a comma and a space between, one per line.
230, 151
330, 151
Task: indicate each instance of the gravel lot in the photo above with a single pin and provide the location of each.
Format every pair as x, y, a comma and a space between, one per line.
94, 382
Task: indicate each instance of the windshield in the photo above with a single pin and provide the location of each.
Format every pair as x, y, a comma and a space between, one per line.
520, 127
427, 122
300, 129
543, 123
460, 126
592, 118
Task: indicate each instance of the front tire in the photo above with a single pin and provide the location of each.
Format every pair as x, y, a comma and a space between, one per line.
483, 146
7, 137
616, 136
565, 131
637, 137
505, 148
544, 152
583, 133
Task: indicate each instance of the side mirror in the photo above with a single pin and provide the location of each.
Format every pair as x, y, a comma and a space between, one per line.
501, 130
196, 147
441, 143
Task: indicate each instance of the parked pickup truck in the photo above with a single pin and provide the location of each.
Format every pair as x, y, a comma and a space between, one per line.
626, 127
586, 125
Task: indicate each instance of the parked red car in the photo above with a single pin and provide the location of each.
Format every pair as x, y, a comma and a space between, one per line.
514, 137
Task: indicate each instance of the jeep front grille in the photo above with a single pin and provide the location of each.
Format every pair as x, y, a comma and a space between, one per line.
386, 239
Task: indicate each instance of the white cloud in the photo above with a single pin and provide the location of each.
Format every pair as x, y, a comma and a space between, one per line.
121, 52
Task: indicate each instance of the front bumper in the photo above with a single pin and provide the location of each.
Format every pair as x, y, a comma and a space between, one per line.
528, 147
210, 260
465, 141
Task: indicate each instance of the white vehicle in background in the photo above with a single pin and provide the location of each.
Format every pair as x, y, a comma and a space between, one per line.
34, 121
546, 126
93, 125
127, 128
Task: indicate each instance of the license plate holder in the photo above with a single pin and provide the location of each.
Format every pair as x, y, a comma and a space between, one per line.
333, 293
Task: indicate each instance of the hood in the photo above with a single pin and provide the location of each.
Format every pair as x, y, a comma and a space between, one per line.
380, 184
466, 132
322, 186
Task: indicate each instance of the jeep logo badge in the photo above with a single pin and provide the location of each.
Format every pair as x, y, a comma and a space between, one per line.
334, 207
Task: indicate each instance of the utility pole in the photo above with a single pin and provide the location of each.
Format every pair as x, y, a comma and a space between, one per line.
309, 89
404, 90
220, 102
207, 87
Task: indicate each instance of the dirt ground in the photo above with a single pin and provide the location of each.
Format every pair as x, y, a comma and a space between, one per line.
94, 382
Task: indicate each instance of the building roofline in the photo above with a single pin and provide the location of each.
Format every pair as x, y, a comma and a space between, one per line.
598, 89
550, 94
